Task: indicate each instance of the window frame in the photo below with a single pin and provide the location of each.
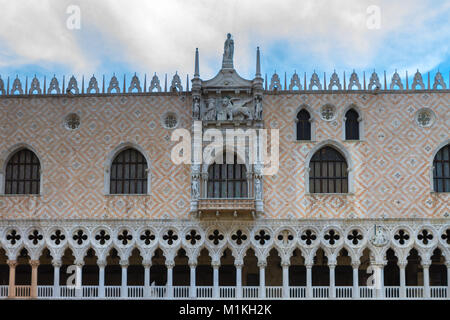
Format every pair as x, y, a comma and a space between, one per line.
441, 147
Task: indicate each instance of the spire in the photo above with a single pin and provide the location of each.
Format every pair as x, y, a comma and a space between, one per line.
258, 63
197, 67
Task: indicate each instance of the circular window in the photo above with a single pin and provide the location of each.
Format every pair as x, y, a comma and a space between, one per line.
170, 121
425, 117
328, 112
72, 121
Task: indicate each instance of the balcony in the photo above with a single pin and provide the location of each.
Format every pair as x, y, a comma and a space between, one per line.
222, 292
238, 205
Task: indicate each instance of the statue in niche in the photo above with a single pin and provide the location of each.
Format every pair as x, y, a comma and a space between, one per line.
258, 108
228, 52
236, 107
195, 189
196, 108
258, 189
210, 112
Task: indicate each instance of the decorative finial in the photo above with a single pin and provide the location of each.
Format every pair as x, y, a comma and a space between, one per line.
258, 63
197, 67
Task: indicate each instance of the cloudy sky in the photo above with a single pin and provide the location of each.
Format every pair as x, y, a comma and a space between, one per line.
42, 36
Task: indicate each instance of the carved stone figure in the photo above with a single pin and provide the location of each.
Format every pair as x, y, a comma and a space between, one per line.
379, 238
237, 108
210, 112
195, 189
196, 108
228, 52
258, 108
258, 189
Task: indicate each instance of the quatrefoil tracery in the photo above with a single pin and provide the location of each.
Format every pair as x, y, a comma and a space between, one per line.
193, 237
79, 237
401, 236
170, 237
35, 237
262, 237
308, 237
147, 237
13, 237
102, 237
355, 237
239, 237
446, 236
425, 236
57, 237
332, 236
216, 237
125, 237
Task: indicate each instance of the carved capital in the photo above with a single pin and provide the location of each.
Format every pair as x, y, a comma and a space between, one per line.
101, 263
170, 264
34, 263
262, 264
57, 263
124, 263
12, 263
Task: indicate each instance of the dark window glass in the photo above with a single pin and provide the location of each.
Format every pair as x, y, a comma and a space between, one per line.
328, 172
129, 173
303, 125
23, 173
351, 125
227, 180
441, 170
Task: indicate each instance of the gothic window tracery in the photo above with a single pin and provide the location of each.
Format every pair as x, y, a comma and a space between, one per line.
303, 125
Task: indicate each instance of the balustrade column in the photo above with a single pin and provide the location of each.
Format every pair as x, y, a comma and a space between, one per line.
170, 265
285, 266
309, 291
355, 294
262, 279
193, 285
332, 288
56, 267
426, 279
12, 278
101, 278
402, 267
147, 285
34, 274
215, 265
238, 266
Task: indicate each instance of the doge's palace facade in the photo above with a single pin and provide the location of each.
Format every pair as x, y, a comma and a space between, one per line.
93, 206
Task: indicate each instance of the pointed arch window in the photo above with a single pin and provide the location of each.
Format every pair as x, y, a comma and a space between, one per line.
227, 180
303, 125
441, 170
328, 172
22, 174
351, 125
129, 173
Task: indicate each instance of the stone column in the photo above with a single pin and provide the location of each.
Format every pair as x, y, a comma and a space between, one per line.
216, 265
332, 288
101, 278
426, 279
355, 266
12, 278
402, 267
78, 279
193, 284
56, 267
262, 279
147, 285
309, 291
170, 265
124, 286
448, 279
285, 266
34, 277
238, 265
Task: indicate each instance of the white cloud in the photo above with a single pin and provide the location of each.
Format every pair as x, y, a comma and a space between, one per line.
161, 36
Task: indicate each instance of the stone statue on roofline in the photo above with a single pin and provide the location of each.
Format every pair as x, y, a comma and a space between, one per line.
228, 52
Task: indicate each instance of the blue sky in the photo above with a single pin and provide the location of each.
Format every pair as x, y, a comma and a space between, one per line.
124, 37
